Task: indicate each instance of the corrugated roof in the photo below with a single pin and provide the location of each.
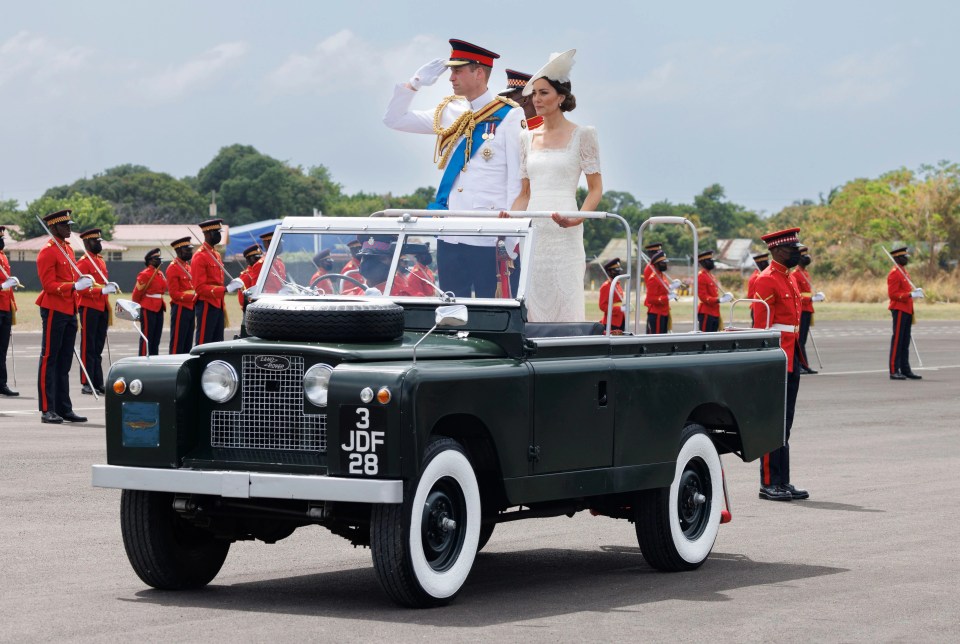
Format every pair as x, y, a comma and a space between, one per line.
36, 243
159, 233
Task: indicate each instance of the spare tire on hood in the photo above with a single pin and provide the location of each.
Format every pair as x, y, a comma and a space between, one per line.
324, 320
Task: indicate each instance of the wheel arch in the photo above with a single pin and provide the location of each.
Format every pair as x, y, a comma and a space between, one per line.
721, 424
474, 435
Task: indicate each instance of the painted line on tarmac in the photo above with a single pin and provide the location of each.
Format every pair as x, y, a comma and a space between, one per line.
857, 373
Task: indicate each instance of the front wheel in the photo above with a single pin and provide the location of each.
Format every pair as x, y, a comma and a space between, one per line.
677, 526
423, 549
165, 550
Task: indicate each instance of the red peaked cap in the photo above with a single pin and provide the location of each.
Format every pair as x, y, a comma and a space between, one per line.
788, 237
464, 53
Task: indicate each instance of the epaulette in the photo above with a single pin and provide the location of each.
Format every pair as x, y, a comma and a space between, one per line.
508, 101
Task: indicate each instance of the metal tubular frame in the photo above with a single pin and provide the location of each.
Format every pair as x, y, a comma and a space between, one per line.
681, 221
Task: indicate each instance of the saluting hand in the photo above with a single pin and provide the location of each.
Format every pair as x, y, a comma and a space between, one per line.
428, 74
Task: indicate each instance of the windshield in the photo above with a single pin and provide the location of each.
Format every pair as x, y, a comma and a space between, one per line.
394, 264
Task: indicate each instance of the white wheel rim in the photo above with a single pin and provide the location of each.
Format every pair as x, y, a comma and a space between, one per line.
454, 465
696, 550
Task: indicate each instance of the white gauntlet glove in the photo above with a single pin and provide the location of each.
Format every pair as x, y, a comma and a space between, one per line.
10, 283
429, 73
109, 287
675, 284
373, 291
917, 294
235, 285
83, 283
726, 297
818, 297
672, 296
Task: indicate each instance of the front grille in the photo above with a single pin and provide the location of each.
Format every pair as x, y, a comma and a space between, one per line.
271, 411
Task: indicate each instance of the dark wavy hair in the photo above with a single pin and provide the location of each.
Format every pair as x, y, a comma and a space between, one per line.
564, 89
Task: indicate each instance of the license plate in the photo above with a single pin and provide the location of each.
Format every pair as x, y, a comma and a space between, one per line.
362, 439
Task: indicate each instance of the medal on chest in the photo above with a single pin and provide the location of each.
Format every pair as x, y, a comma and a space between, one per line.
486, 153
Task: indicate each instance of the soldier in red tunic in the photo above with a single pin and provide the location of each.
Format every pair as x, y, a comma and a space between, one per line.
354, 246
613, 268
708, 292
659, 294
183, 296
780, 293
60, 284
649, 250
94, 311
278, 271
324, 264
253, 255
802, 279
762, 260
206, 269
148, 293
8, 310
902, 294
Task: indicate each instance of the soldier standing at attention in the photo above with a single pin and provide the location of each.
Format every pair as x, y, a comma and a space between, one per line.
708, 292
253, 255
183, 297
207, 274
354, 245
659, 294
762, 260
58, 314
618, 320
775, 287
802, 279
901, 294
649, 250
8, 313
148, 293
278, 271
94, 311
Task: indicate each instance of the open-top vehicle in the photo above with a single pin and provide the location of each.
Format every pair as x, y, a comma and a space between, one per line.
414, 424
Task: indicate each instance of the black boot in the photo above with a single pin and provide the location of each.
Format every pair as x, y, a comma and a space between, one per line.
7, 391
775, 493
897, 376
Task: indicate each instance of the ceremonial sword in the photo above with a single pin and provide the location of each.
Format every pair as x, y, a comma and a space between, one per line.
910, 282
73, 265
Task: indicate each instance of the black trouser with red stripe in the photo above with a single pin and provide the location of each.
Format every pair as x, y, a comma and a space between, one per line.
181, 329
900, 343
657, 323
6, 323
93, 325
805, 318
209, 323
151, 325
56, 357
708, 322
775, 466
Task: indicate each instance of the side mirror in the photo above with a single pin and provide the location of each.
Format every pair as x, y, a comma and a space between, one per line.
127, 310
453, 315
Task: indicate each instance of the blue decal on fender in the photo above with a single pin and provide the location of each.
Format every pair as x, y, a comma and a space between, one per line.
141, 424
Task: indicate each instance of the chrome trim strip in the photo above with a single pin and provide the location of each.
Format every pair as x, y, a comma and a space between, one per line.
248, 484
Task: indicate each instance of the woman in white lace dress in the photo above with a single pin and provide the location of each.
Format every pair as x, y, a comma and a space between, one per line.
552, 158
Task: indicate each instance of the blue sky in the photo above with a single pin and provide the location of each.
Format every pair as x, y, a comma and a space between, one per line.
774, 100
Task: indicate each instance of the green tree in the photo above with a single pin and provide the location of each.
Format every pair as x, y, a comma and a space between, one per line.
9, 211
88, 212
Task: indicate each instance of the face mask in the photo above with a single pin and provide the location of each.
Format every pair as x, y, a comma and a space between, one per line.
804, 260
96, 247
793, 259
762, 265
153, 261
3, 243
185, 255
662, 267
708, 264
406, 264
213, 237
613, 272
326, 264
373, 270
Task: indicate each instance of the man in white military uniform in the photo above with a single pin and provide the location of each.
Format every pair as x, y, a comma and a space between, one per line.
478, 147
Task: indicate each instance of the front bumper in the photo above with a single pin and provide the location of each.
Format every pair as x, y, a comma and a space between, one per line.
245, 485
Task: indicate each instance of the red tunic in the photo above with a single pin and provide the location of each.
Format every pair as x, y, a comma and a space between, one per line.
277, 277
775, 287
94, 297
208, 276
898, 290
317, 281
708, 294
420, 287
7, 301
245, 276
751, 284
56, 278
151, 285
180, 284
802, 279
352, 265
657, 299
604, 300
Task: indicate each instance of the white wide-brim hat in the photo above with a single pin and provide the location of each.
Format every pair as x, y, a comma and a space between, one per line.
556, 69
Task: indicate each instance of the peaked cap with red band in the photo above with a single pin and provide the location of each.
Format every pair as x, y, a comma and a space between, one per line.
515, 81
788, 237
464, 53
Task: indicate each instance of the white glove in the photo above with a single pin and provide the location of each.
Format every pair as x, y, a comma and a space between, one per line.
372, 292
83, 283
675, 284
110, 287
9, 283
818, 297
672, 296
429, 73
726, 297
235, 285
917, 294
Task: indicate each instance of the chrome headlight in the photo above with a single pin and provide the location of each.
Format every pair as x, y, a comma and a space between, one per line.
316, 383
219, 381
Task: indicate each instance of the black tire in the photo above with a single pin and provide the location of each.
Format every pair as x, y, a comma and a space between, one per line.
418, 560
313, 320
677, 525
165, 550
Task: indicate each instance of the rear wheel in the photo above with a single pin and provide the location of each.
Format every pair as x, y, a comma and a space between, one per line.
165, 550
677, 526
424, 548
